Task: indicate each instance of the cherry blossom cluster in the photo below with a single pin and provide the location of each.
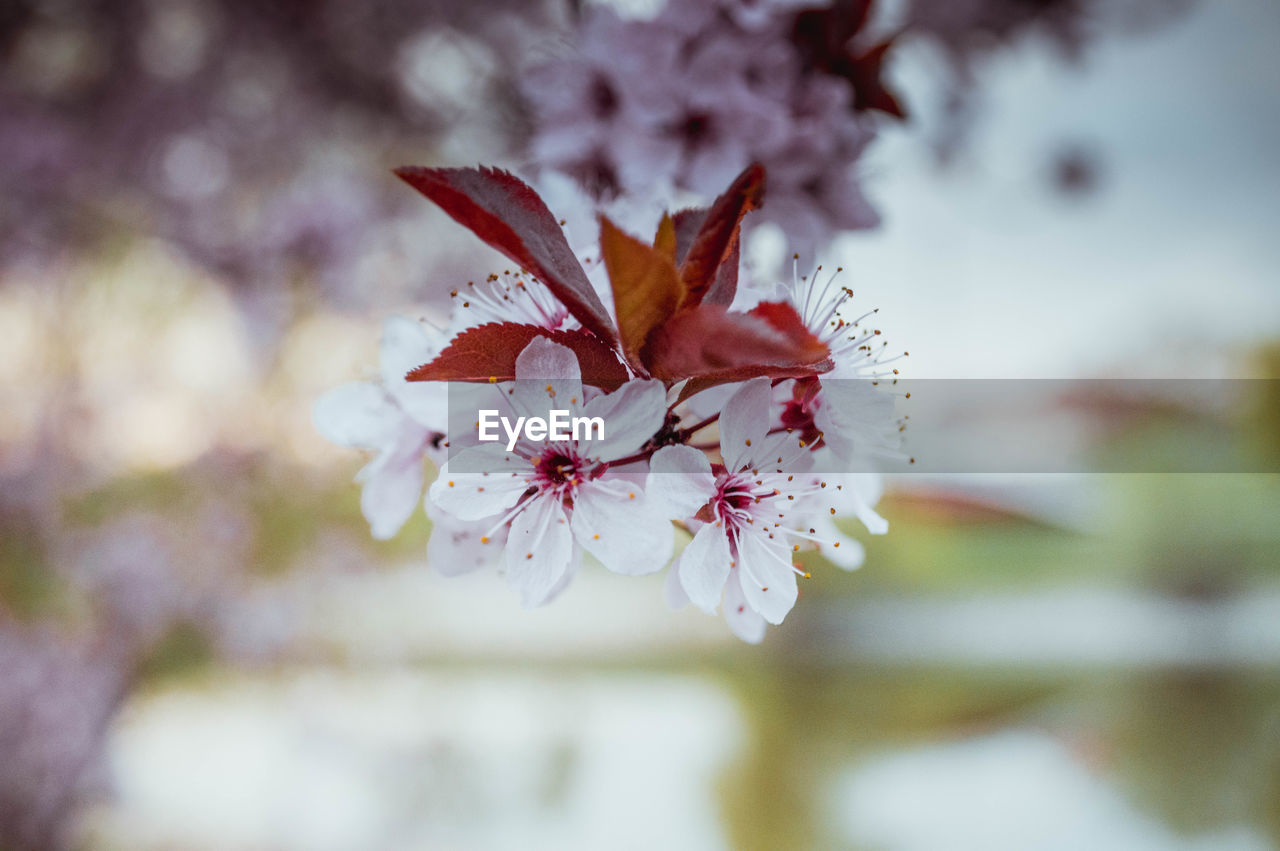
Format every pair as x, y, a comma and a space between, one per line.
742, 417
685, 100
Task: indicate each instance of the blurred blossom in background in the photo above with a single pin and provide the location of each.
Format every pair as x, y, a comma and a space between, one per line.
202, 647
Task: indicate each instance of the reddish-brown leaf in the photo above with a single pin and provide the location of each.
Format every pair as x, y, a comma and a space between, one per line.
866, 72
716, 241
646, 289
725, 286
823, 34
488, 353
696, 385
509, 216
664, 241
783, 318
687, 224
714, 345
823, 38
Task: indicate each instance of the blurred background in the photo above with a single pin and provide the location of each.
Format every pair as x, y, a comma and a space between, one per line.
202, 647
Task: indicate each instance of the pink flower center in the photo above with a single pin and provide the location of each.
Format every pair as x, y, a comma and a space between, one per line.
560, 469
799, 412
736, 502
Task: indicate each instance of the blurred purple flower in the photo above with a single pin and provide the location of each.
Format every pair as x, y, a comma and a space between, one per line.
685, 101
244, 135
57, 697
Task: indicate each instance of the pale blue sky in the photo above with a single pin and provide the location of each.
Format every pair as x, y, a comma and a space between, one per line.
984, 271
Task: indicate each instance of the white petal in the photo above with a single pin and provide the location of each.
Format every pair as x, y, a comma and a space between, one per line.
782, 453
566, 196
856, 418
744, 621
539, 551
541, 365
357, 414
457, 546
838, 548
875, 524
745, 418
768, 582
704, 567
406, 345
475, 495
575, 563
614, 522
632, 414
856, 493
464, 402
427, 402
544, 359
868, 486
680, 480
710, 401
392, 488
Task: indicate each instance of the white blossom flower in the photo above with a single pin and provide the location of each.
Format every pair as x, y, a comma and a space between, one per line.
557, 498
743, 621
750, 514
849, 409
853, 494
401, 421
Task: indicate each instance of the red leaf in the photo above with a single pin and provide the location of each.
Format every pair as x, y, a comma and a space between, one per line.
710, 343
646, 289
822, 34
716, 242
687, 224
725, 286
823, 37
664, 241
784, 318
488, 353
509, 216
866, 72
